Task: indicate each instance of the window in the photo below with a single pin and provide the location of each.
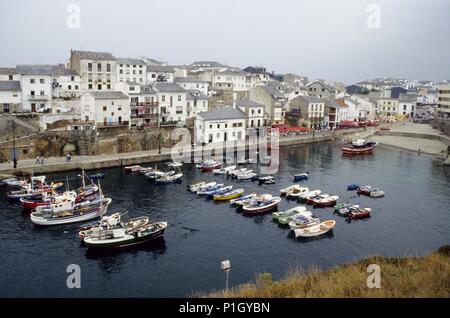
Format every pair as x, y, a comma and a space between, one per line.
234, 125
226, 125
253, 111
134, 71
140, 72
120, 71
105, 108
99, 87
42, 81
163, 98
179, 98
10, 77
210, 126
239, 134
76, 86
89, 67
131, 88
112, 113
108, 67
90, 86
239, 125
108, 86
32, 81
42, 93
218, 126
99, 67
69, 87
259, 111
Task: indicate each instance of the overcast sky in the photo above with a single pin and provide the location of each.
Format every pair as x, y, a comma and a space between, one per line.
320, 38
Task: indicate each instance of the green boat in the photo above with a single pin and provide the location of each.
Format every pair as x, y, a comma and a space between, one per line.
341, 205
284, 217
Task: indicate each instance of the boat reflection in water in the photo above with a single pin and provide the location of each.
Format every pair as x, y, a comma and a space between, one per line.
156, 246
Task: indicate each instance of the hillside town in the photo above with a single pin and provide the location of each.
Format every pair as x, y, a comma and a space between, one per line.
99, 92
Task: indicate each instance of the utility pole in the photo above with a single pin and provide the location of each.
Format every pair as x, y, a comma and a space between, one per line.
14, 155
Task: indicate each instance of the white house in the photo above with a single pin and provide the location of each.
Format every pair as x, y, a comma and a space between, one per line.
196, 102
98, 70
238, 81
366, 105
10, 97
190, 83
36, 82
407, 105
254, 112
66, 83
219, 125
9, 74
160, 73
171, 102
106, 108
131, 70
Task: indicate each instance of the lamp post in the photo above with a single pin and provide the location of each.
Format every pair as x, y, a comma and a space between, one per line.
226, 266
14, 155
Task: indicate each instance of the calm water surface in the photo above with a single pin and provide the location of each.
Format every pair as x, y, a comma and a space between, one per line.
413, 218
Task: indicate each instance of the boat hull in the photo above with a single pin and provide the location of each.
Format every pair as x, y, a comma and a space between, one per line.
353, 151
259, 210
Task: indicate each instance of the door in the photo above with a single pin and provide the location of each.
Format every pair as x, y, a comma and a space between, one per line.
120, 120
225, 136
33, 107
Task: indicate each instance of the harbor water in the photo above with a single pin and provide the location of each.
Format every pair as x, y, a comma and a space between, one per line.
412, 219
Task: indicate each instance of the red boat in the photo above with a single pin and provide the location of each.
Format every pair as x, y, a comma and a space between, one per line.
364, 190
211, 167
359, 147
29, 204
261, 207
325, 202
359, 214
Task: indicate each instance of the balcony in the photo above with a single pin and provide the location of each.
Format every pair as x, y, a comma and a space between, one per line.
38, 97
145, 104
145, 115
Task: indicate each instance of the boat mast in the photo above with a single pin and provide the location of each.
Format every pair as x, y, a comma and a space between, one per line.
82, 178
101, 199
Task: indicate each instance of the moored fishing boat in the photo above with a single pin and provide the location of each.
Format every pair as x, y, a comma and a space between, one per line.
195, 186
208, 166
315, 230
174, 164
247, 176
284, 217
228, 195
325, 202
220, 190
203, 190
224, 170
352, 187
377, 193
365, 190
106, 222
233, 173
122, 236
347, 209
96, 176
266, 179
169, 178
286, 190
301, 176
359, 213
259, 207
308, 195
317, 197
70, 212
358, 147
302, 221
154, 174
295, 193
134, 168
243, 199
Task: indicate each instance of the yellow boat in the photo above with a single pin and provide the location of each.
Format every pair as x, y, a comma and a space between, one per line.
228, 195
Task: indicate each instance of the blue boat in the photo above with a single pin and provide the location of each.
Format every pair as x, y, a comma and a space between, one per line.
352, 187
219, 191
97, 176
301, 176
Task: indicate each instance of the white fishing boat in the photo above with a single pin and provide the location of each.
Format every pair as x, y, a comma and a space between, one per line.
284, 217
134, 168
209, 187
377, 193
224, 170
235, 172
301, 221
174, 164
297, 192
242, 200
289, 189
308, 195
195, 186
315, 230
169, 178
122, 236
155, 174
246, 176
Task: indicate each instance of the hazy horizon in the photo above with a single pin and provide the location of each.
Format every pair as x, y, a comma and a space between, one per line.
318, 39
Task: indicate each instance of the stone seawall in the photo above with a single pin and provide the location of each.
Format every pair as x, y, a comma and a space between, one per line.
442, 138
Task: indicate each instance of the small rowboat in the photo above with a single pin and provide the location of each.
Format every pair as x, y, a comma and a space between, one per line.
352, 187
210, 166
315, 230
296, 192
224, 170
285, 191
169, 178
220, 190
209, 187
155, 174
228, 195
346, 210
286, 216
235, 172
196, 186
174, 164
365, 190
247, 176
258, 207
317, 197
134, 168
359, 213
144, 170
302, 221
301, 176
309, 195
377, 193
324, 202
243, 199
241, 173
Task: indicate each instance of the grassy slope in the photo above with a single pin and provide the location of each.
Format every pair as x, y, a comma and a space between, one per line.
427, 276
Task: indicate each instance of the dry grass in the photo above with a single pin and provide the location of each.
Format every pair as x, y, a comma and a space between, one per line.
427, 276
